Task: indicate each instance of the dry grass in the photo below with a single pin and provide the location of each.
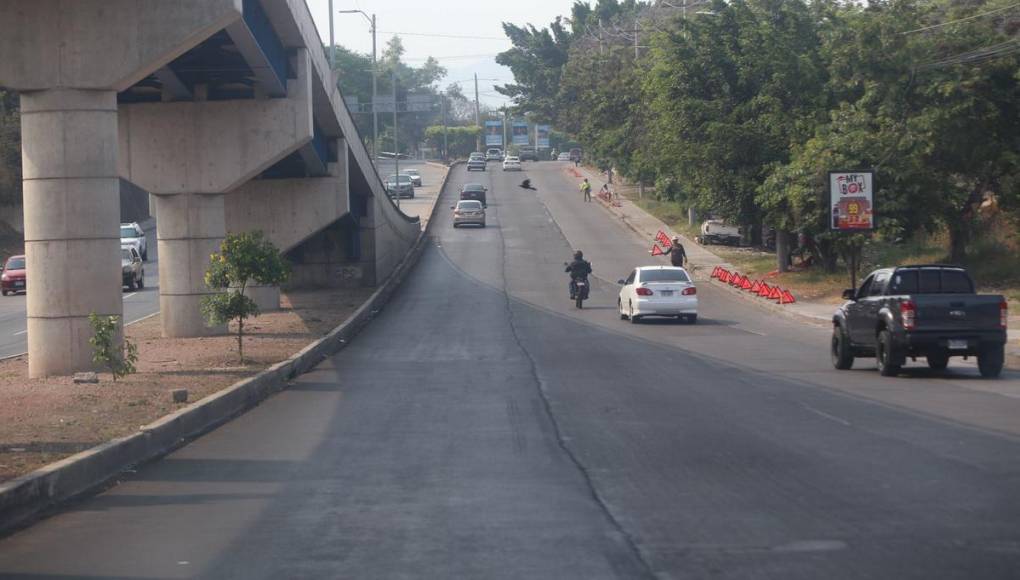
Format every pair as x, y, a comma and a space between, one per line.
44, 420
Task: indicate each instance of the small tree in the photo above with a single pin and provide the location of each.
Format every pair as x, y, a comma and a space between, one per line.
119, 361
243, 259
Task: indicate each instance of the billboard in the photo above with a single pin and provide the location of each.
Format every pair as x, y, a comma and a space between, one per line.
851, 200
494, 133
542, 136
419, 103
519, 131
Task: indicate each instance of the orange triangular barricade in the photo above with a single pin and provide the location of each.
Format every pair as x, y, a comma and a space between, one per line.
663, 238
756, 287
724, 276
739, 280
787, 298
746, 284
776, 293
764, 290
715, 272
656, 251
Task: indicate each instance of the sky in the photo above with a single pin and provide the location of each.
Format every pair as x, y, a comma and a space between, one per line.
462, 57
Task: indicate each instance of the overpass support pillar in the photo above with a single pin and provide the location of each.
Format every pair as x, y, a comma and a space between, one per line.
72, 210
191, 228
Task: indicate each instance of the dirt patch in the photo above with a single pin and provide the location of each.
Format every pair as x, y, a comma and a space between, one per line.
44, 420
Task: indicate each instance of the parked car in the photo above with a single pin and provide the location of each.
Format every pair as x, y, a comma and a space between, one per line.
415, 176
658, 291
476, 164
468, 211
400, 186
528, 154
925, 310
511, 164
132, 270
563, 157
718, 232
13, 278
475, 191
494, 154
131, 234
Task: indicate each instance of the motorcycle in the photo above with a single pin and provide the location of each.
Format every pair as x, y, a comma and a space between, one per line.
580, 291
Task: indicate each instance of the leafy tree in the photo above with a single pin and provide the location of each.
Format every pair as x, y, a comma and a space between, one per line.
460, 140
243, 259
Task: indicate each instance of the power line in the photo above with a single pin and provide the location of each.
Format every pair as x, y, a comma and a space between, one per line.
972, 17
430, 35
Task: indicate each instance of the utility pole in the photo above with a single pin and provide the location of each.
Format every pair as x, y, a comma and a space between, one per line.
506, 114
332, 48
375, 114
396, 143
478, 115
375, 72
446, 142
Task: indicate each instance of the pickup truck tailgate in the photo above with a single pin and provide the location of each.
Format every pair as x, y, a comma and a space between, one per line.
956, 313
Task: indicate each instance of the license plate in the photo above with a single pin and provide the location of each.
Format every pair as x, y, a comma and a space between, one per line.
666, 293
19, 284
957, 345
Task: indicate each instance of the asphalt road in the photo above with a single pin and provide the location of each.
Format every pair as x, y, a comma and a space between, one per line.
137, 304
481, 427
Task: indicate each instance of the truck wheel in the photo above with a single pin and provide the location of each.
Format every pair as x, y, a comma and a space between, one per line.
842, 354
888, 363
938, 361
990, 360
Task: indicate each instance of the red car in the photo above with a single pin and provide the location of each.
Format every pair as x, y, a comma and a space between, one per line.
13, 278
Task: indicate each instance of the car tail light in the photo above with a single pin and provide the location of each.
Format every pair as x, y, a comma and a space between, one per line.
1003, 314
644, 292
908, 312
690, 291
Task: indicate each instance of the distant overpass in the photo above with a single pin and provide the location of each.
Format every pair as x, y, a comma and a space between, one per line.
226, 111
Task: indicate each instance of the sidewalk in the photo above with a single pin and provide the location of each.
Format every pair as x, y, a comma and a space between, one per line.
704, 261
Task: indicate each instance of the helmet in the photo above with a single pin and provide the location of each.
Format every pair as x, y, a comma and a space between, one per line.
578, 255
676, 238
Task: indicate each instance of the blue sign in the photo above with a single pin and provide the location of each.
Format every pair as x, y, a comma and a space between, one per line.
520, 133
493, 133
542, 136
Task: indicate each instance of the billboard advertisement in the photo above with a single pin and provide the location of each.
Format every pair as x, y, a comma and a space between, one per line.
519, 132
542, 136
494, 133
851, 200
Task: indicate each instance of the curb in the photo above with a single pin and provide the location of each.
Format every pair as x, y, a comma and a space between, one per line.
37, 494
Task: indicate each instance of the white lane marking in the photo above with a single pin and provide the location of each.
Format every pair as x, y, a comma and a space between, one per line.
826, 415
752, 331
22, 332
126, 296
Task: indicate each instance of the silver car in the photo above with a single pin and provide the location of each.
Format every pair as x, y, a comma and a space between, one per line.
468, 211
415, 176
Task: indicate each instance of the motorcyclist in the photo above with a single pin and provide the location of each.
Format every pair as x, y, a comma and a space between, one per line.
579, 270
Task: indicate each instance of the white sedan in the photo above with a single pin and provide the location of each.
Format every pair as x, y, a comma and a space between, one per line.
658, 291
512, 164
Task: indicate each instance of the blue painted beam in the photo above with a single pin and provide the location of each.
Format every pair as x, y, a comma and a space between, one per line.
261, 48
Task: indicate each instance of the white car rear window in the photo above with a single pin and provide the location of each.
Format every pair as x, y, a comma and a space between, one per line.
664, 275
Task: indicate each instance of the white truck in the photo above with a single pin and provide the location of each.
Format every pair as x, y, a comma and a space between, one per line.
718, 232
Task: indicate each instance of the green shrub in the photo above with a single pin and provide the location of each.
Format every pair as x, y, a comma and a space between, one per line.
119, 361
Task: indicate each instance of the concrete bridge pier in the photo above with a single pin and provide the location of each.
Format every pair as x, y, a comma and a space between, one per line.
191, 228
72, 209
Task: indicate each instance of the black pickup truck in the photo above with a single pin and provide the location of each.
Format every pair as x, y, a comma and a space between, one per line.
911, 311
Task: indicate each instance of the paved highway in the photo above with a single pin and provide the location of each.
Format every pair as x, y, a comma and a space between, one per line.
137, 304
481, 427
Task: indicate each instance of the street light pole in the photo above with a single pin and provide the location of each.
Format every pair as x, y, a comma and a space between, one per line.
332, 46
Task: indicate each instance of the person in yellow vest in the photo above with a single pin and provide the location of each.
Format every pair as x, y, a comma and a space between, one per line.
586, 189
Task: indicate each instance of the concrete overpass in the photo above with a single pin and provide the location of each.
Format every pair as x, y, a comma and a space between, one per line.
225, 111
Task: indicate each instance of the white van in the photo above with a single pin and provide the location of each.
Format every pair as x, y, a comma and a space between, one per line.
718, 232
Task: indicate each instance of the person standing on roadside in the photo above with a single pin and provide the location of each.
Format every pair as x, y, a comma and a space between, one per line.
586, 189
677, 253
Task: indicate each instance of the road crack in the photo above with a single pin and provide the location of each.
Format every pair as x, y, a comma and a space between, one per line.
561, 442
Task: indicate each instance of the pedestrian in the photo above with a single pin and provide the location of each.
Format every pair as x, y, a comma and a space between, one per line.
677, 253
604, 193
586, 189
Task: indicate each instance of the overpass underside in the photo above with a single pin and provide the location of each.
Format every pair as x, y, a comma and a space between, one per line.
225, 111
